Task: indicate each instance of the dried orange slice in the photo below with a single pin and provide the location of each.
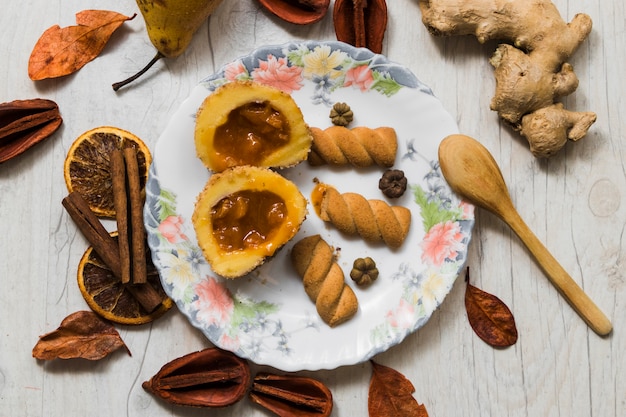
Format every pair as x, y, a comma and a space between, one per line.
107, 296
87, 165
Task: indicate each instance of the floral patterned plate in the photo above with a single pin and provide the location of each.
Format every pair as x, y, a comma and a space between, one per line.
266, 316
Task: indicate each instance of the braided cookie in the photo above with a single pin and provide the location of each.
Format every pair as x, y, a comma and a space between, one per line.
373, 220
360, 146
323, 280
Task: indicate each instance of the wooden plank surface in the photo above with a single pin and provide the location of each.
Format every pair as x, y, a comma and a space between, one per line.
574, 202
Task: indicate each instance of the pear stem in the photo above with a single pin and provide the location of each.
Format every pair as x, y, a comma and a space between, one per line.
118, 85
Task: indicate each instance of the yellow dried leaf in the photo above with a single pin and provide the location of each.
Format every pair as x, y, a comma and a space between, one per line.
62, 51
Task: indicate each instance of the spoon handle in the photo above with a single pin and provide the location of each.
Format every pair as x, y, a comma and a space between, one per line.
568, 288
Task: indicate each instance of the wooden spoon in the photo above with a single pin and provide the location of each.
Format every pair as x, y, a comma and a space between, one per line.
473, 174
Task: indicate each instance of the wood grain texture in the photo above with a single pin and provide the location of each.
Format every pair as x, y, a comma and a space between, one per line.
574, 202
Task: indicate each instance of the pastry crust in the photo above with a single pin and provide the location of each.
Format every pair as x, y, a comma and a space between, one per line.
236, 227
323, 280
278, 139
360, 146
373, 220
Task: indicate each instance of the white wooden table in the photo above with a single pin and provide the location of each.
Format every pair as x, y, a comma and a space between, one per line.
573, 202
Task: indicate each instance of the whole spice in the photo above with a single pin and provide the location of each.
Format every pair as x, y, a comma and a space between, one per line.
291, 395
24, 123
209, 378
81, 335
120, 202
93, 230
299, 12
490, 318
361, 23
137, 228
341, 114
531, 68
393, 183
364, 271
390, 394
128, 210
107, 248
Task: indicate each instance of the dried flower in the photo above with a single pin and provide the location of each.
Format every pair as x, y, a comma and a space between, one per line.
364, 271
341, 114
393, 183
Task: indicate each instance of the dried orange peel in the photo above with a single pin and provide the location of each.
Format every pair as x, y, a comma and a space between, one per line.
87, 165
108, 297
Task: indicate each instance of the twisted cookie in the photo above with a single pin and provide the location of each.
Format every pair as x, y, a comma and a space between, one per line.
373, 220
323, 280
360, 146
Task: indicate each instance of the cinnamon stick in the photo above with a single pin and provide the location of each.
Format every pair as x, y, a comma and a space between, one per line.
89, 224
147, 296
137, 230
107, 248
120, 202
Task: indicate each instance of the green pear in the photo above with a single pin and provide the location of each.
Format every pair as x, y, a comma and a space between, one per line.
171, 25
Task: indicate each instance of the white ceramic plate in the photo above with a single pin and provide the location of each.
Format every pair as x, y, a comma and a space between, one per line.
266, 316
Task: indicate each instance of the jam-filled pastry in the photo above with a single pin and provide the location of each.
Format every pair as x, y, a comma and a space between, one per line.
243, 216
247, 123
359, 146
323, 280
373, 220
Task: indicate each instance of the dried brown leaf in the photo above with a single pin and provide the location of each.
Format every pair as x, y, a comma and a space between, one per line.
490, 318
62, 51
390, 394
81, 335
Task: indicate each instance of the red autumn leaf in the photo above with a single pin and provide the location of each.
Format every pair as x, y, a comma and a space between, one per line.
81, 335
62, 51
490, 318
390, 395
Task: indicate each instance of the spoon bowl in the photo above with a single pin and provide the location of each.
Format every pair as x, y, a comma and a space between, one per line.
472, 172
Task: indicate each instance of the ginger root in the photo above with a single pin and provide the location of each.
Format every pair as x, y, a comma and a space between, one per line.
531, 72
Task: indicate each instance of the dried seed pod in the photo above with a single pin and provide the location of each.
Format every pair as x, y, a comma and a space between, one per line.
393, 183
341, 114
209, 378
299, 12
292, 396
364, 271
361, 23
24, 123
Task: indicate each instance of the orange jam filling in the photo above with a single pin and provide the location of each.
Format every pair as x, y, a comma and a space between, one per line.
247, 219
251, 133
317, 195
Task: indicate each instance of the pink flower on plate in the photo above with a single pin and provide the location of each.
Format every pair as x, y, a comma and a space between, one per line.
402, 316
229, 342
467, 210
276, 73
360, 77
443, 241
234, 70
170, 229
214, 304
